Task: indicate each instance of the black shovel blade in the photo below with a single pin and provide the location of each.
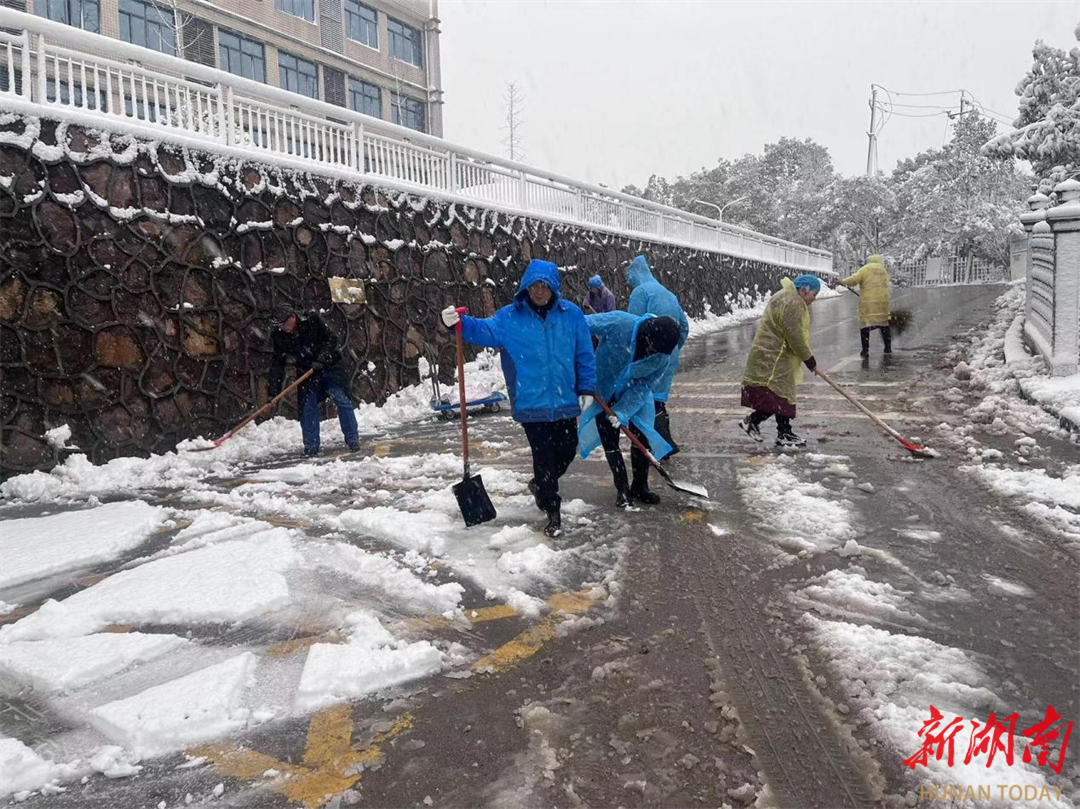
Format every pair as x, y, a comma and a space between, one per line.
473, 501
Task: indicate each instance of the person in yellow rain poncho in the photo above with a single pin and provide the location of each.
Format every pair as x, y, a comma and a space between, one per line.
775, 366
872, 279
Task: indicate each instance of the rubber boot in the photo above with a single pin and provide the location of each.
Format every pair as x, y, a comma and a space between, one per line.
639, 489
864, 337
662, 423
886, 337
554, 524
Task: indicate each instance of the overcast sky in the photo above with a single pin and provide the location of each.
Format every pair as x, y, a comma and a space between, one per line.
616, 90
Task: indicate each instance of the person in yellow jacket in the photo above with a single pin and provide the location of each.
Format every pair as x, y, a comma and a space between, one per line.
775, 366
872, 279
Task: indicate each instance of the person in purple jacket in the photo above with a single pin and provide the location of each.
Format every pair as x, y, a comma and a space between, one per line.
599, 299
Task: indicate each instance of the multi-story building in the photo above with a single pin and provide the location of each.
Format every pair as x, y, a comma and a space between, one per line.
378, 57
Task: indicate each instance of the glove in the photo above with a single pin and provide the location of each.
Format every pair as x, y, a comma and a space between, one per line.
316, 366
450, 317
614, 421
810, 363
584, 400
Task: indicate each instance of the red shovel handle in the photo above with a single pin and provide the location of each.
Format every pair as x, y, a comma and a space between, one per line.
461, 389
626, 431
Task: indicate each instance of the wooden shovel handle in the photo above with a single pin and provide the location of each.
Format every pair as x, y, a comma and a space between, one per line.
634, 440
461, 390
268, 406
873, 416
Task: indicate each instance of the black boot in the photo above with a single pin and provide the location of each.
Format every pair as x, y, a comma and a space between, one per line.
554, 524
663, 426
886, 337
622, 500
531, 486
864, 337
639, 490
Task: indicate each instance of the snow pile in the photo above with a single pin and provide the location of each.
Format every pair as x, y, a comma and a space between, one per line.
382, 572
58, 437
425, 532
848, 594
746, 305
22, 770
36, 547
372, 660
893, 679
532, 561
67, 663
800, 515
231, 581
997, 382
197, 707
1054, 502
77, 478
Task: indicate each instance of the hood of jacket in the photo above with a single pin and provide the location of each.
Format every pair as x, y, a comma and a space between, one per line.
537, 270
877, 258
638, 272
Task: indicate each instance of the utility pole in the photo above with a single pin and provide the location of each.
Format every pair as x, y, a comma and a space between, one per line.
871, 149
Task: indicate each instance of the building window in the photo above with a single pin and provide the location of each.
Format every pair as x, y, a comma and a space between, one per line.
298, 75
409, 112
147, 25
241, 56
305, 9
80, 13
365, 97
405, 42
88, 100
362, 23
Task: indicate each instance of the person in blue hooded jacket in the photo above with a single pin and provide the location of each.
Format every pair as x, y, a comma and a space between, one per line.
650, 297
631, 362
550, 371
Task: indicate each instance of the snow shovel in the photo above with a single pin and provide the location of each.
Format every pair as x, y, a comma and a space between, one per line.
910, 446
686, 488
472, 497
899, 319
268, 406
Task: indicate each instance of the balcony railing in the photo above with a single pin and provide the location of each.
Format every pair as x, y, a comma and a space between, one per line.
50, 66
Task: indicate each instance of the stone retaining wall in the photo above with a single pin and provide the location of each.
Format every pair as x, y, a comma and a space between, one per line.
137, 281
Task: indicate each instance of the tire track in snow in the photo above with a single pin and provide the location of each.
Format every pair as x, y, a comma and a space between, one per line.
801, 748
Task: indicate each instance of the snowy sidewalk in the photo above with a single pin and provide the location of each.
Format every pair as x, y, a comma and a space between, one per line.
163, 603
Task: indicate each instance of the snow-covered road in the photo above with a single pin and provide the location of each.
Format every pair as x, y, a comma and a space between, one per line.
280, 631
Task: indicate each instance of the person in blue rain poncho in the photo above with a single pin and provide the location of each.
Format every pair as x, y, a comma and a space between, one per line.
653, 298
632, 359
547, 361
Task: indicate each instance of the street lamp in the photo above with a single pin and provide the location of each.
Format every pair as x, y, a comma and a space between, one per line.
719, 210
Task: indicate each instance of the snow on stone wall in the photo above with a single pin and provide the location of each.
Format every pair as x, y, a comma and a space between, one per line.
138, 279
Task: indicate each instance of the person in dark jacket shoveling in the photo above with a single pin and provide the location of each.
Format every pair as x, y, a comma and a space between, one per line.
306, 338
547, 360
653, 298
631, 364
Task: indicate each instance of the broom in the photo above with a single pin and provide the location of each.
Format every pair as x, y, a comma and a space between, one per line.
899, 319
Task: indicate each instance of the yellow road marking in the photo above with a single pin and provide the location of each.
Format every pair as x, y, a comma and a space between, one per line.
330, 764
532, 639
474, 616
328, 758
288, 647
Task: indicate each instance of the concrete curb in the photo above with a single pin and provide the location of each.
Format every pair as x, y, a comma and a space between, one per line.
1015, 353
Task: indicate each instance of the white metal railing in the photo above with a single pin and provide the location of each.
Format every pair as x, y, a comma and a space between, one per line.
50, 65
949, 270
